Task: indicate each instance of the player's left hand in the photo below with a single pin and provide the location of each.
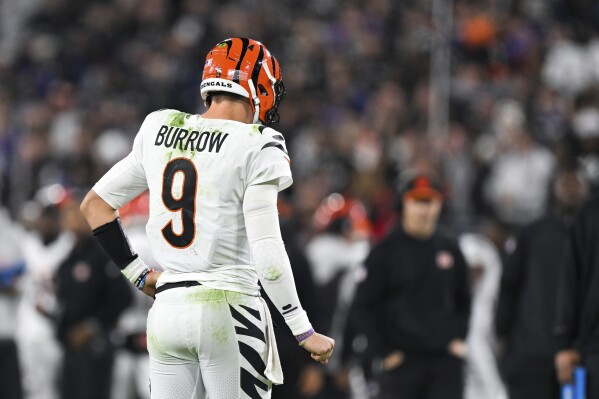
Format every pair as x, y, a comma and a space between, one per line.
150, 285
320, 346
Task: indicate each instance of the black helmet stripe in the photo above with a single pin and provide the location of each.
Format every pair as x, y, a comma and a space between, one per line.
228, 42
257, 68
244, 46
274, 68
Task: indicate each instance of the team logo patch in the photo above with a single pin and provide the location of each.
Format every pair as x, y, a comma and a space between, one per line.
444, 260
82, 272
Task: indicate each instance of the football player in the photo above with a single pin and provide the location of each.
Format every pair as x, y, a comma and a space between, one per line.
213, 226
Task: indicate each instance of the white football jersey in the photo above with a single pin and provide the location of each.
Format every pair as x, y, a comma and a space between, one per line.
197, 171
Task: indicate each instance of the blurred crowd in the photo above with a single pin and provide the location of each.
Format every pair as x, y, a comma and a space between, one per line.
78, 77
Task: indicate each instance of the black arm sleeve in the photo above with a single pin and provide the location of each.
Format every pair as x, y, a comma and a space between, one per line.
113, 240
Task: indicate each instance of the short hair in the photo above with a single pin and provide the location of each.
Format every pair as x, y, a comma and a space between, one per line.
224, 95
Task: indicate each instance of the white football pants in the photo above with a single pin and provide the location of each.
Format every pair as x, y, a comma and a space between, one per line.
207, 343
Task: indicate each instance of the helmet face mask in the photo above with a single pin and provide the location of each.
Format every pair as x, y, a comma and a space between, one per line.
246, 68
272, 116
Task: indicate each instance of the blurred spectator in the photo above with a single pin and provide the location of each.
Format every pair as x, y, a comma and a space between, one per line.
577, 328
585, 128
482, 376
131, 372
92, 294
414, 304
336, 255
12, 267
527, 305
45, 246
518, 197
571, 62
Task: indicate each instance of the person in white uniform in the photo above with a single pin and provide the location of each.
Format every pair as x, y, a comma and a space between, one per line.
213, 227
45, 245
482, 376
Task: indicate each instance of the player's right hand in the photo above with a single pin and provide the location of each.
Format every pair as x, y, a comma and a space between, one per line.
565, 362
150, 285
320, 346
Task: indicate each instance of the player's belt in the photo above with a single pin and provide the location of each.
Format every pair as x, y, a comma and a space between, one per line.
179, 284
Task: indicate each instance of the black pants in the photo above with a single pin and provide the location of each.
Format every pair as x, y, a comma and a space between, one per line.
533, 385
424, 377
10, 376
527, 379
87, 374
591, 362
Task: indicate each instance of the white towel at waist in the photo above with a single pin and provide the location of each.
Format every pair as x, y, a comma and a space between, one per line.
273, 371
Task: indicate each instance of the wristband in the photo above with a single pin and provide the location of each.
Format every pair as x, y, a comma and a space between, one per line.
303, 337
134, 270
141, 280
298, 321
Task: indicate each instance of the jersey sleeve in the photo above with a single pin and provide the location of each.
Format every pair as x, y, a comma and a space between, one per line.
269, 256
127, 179
270, 161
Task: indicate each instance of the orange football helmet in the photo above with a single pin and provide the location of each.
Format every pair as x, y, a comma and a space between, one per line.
336, 207
245, 67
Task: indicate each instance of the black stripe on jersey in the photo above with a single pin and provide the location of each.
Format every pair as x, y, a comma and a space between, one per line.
253, 357
279, 137
249, 383
290, 310
251, 311
249, 329
273, 144
244, 46
261, 128
257, 68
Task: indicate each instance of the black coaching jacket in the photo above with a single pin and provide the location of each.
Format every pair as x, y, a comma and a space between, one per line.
578, 295
416, 296
90, 287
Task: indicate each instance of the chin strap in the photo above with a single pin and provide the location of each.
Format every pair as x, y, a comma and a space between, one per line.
273, 82
255, 101
271, 78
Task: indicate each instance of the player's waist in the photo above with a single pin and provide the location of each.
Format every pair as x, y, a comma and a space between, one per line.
194, 293
219, 281
180, 284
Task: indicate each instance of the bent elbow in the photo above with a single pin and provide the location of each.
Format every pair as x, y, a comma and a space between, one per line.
86, 206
